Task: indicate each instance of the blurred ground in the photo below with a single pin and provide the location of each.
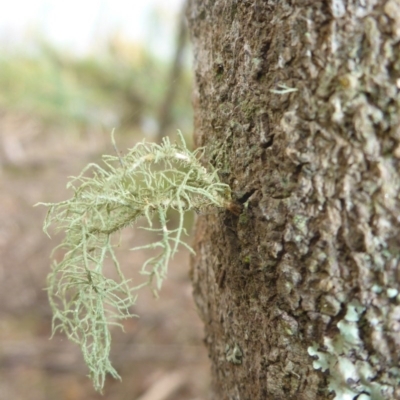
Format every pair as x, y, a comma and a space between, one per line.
161, 355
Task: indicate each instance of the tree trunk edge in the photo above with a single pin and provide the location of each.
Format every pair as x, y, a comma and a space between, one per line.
299, 294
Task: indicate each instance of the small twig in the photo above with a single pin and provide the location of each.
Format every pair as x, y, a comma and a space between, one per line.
114, 143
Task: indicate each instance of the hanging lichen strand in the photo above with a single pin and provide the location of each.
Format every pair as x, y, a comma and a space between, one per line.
148, 181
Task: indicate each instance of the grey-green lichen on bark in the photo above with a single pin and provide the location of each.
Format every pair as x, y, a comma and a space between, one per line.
351, 369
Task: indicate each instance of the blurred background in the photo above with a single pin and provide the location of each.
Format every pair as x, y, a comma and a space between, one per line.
70, 72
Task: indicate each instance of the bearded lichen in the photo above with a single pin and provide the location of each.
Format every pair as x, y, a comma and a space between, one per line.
137, 188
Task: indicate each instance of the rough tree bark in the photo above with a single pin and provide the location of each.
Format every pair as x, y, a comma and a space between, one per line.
299, 294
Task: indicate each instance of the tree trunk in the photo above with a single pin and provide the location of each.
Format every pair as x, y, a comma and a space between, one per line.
299, 294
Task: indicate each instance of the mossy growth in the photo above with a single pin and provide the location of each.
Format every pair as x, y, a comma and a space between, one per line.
136, 188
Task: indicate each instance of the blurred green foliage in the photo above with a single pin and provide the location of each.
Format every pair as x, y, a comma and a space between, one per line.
122, 87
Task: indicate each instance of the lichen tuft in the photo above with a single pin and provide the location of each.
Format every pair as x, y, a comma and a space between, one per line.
144, 184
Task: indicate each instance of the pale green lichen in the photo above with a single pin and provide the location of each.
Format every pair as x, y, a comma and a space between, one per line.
283, 89
392, 292
351, 373
233, 355
148, 181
